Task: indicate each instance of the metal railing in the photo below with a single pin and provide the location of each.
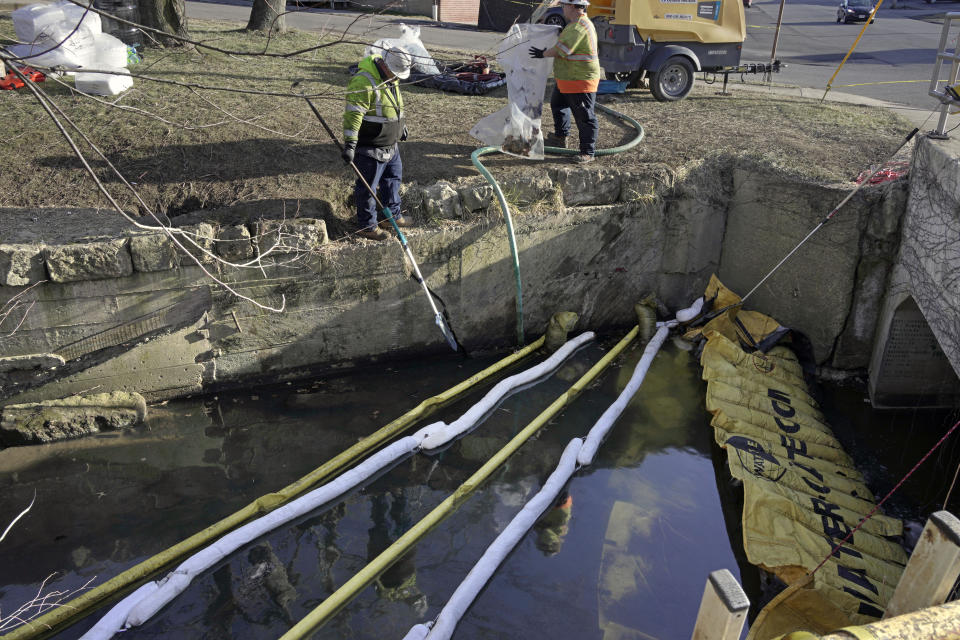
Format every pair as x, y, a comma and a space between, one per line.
938, 92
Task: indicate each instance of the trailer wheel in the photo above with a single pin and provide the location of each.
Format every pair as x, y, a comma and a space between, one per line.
672, 81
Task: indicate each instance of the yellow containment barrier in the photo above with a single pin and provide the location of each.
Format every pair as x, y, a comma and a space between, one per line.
83, 605
802, 495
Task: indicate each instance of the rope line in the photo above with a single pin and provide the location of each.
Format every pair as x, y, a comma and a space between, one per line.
830, 215
874, 510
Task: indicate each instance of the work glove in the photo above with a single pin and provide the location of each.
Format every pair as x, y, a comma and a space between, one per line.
536, 52
348, 151
404, 134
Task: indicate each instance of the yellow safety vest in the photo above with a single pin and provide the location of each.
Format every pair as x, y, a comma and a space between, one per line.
577, 67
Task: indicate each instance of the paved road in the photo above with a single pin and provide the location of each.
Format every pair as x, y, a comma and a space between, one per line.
897, 50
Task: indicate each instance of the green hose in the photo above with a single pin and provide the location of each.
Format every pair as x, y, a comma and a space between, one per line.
511, 237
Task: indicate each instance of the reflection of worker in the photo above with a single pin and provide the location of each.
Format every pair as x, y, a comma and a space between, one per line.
577, 69
552, 526
399, 582
372, 126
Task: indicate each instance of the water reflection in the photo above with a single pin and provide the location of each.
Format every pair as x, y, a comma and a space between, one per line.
630, 559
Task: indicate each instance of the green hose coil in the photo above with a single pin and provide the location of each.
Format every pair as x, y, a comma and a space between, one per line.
511, 237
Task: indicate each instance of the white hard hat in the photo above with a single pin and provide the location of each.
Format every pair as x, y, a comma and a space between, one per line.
576, 3
399, 62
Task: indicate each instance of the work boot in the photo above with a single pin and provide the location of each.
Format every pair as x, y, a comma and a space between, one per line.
402, 221
553, 140
373, 233
583, 158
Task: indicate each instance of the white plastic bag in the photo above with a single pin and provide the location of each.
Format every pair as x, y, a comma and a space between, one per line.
516, 128
58, 35
109, 52
30, 21
410, 42
75, 13
103, 84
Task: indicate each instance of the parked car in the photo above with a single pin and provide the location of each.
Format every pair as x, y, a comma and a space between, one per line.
854, 11
554, 16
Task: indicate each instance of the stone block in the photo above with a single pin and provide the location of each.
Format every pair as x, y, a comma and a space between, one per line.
233, 243
476, 197
153, 252
21, 264
51, 420
588, 186
89, 261
291, 236
199, 241
524, 190
440, 201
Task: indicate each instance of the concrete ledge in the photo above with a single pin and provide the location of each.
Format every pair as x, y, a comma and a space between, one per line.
162, 327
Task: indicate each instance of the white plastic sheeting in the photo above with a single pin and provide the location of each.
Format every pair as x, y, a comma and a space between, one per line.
440, 433
577, 453
500, 548
516, 127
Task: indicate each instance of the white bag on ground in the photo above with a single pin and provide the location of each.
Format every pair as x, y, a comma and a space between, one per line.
109, 52
516, 128
30, 21
410, 42
59, 44
75, 13
104, 84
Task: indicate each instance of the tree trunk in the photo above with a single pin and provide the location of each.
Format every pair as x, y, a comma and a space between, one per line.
169, 16
267, 15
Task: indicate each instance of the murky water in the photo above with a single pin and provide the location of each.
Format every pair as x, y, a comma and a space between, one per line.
629, 551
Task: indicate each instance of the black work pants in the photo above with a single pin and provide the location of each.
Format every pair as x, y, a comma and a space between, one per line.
582, 106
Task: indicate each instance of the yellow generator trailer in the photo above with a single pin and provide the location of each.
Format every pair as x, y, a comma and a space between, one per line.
667, 41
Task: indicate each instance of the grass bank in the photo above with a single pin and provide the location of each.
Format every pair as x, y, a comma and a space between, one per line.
190, 148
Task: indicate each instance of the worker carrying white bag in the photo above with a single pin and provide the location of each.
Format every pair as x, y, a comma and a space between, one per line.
516, 128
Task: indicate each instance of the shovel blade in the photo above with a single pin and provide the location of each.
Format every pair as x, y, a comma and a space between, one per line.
447, 333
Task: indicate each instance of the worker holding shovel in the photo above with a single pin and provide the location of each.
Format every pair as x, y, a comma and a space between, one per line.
372, 127
577, 69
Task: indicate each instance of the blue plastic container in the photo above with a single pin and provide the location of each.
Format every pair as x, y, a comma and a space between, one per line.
612, 86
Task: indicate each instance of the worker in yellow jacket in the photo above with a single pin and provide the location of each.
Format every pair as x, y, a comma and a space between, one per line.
372, 126
577, 70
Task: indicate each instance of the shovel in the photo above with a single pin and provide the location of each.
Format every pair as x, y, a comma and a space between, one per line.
437, 316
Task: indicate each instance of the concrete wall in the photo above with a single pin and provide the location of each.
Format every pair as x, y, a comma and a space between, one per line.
917, 351
124, 312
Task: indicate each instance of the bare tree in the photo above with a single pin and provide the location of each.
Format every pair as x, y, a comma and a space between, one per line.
168, 16
268, 15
